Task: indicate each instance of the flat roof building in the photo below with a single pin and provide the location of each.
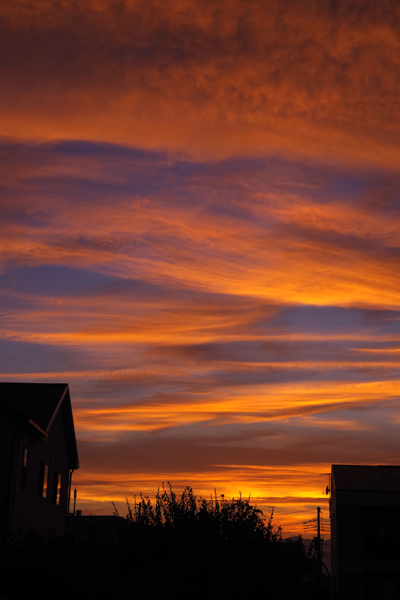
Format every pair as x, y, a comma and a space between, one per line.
365, 532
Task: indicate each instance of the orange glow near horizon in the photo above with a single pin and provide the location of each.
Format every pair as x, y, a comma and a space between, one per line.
269, 488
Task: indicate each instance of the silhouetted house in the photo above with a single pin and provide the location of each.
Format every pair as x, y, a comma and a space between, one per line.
38, 456
365, 532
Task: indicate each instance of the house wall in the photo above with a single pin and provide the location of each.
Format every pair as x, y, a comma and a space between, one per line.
31, 510
365, 550
6, 439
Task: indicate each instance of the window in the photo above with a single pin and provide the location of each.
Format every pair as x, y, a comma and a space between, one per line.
57, 488
43, 479
24, 472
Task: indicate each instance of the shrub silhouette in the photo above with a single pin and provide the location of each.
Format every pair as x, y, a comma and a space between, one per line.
213, 547
198, 521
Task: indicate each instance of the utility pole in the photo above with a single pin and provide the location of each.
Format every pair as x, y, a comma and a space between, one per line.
310, 526
319, 541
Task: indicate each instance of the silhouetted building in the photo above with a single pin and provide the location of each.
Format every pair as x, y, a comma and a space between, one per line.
38, 456
365, 532
102, 529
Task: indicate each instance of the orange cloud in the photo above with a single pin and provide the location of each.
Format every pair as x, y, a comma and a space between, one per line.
249, 404
286, 247
315, 79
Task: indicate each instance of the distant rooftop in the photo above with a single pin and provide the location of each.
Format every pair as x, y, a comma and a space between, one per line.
382, 478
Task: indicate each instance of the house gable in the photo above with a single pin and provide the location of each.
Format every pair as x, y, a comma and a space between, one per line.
39, 445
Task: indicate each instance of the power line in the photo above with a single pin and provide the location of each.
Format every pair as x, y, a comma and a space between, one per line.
294, 512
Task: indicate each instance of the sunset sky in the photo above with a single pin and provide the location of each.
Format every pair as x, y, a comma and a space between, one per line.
200, 233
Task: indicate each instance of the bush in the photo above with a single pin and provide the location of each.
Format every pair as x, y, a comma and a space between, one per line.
198, 521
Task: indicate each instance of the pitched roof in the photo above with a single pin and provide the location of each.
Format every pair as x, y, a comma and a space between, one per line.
37, 404
382, 478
